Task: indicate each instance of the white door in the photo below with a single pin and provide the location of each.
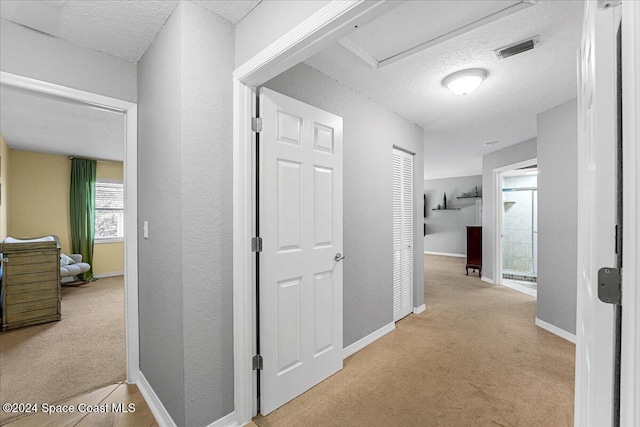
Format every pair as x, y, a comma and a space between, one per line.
597, 216
402, 234
300, 221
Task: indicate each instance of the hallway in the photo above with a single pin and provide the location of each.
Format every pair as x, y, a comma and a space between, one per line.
474, 358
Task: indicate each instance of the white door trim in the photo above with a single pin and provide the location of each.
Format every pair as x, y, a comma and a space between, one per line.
497, 235
630, 378
130, 112
326, 26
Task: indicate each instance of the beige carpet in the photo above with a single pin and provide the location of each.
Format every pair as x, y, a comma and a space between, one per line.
474, 358
81, 353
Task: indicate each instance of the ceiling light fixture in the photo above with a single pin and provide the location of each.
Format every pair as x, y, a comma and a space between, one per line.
465, 81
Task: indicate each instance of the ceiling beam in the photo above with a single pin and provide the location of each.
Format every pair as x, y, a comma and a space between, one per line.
374, 63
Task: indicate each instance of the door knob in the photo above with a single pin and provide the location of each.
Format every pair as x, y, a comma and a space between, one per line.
338, 257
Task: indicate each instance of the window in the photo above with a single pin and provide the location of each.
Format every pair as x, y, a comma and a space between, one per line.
109, 211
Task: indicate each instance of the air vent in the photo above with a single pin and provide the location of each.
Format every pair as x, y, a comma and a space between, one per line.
516, 48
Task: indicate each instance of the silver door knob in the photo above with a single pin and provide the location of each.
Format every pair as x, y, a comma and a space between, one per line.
338, 257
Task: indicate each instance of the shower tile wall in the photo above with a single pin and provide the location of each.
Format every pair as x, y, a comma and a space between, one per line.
518, 226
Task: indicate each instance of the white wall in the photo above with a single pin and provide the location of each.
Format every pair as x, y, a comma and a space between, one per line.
269, 21
370, 132
558, 215
185, 192
516, 153
447, 230
33, 54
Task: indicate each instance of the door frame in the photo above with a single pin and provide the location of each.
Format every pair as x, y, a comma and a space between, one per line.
497, 235
327, 25
130, 164
630, 378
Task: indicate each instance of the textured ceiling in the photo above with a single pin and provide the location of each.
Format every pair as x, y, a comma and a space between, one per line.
505, 106
34, 122
120, 28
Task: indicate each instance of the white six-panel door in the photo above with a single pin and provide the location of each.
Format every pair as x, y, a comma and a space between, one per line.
402, 234
597, 216
301, 226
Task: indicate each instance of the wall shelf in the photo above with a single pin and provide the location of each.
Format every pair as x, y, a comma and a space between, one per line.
447, 209
469, 197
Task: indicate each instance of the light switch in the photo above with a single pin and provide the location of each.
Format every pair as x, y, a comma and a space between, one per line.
145, 229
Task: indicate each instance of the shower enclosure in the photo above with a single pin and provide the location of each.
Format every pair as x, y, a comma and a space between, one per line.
520, 227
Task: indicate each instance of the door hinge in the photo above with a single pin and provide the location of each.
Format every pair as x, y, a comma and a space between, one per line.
256, 244
610, 285
256, 124
608, 4
257, 362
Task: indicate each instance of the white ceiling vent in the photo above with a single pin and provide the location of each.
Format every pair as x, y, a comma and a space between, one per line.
517, 48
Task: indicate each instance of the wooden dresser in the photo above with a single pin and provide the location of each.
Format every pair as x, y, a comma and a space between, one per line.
30, 284
474, 248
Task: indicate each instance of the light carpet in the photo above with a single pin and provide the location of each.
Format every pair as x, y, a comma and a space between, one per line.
84, 351
474, 358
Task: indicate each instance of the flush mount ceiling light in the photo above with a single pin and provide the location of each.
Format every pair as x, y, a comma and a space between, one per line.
465, 81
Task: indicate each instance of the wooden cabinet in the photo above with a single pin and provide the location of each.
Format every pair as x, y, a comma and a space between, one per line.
30, 284
474, 248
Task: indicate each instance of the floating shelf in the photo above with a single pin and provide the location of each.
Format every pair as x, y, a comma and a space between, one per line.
447, 209
469, 197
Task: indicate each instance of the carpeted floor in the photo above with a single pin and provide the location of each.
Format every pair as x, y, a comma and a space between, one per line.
83, 352
474, 358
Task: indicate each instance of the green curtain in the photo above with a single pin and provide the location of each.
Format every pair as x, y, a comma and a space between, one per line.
83, 210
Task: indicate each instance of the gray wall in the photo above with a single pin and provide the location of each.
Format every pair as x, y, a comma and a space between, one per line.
33, 54
558, 215
185, 160
513, 154
370, 132
447, 230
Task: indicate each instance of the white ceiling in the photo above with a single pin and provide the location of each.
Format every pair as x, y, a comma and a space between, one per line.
505, 106
120, 28
33, 122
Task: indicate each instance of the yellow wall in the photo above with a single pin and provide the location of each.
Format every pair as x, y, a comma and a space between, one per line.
4, 172
39, 203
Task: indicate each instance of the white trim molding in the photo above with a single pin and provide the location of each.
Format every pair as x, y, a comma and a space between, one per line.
109, 274
129, 111
555, 330
445, 254
162, 416
487, 279
158, 410
229, 420
630, 362
363, 342
326, 26
420, 309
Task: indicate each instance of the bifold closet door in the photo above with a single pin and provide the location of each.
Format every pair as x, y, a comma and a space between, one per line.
402, 234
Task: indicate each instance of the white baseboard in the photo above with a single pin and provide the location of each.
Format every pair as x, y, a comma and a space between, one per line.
555, 330
418, 310
226, 421
488, 280
160, 412
111, 274
362, 343
153, 401
445, 254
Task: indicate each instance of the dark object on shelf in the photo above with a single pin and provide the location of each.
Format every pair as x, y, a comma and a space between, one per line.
474, 249
424, 205
445, 200
476, 191
469, 197
443, 209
